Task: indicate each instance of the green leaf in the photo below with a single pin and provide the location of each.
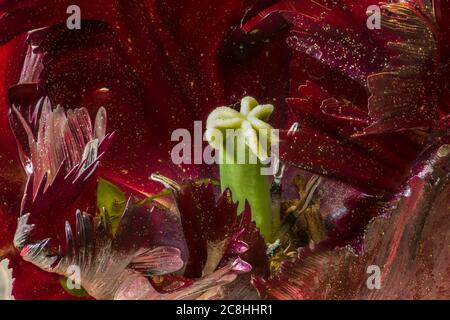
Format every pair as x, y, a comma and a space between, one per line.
74, 292
110, 197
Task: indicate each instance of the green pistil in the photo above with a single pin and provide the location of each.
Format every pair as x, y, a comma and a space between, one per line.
241, 165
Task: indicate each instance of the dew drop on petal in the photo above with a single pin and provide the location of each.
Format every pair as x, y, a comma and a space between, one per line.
314, 51
29, 167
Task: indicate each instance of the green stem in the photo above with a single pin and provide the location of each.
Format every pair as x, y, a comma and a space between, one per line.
247, 183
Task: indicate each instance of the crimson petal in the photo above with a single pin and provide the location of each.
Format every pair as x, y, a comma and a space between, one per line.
405, 245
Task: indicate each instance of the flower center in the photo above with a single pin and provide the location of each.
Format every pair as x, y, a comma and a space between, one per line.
249, 126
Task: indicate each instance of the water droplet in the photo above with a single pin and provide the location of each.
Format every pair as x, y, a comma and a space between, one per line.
314, 51
407, 192
29, 167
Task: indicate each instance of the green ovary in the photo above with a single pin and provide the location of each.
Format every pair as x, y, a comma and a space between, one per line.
241, 163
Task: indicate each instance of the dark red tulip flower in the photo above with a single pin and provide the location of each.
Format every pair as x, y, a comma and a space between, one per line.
90, 195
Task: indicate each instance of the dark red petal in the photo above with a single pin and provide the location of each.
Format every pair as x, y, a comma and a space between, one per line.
204, 220
8, 227
305, 278
325, 143
347, 220
207, 221
407, 246
405, 94
11, 185
334, 33
344, 160
32, 283
12, 177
